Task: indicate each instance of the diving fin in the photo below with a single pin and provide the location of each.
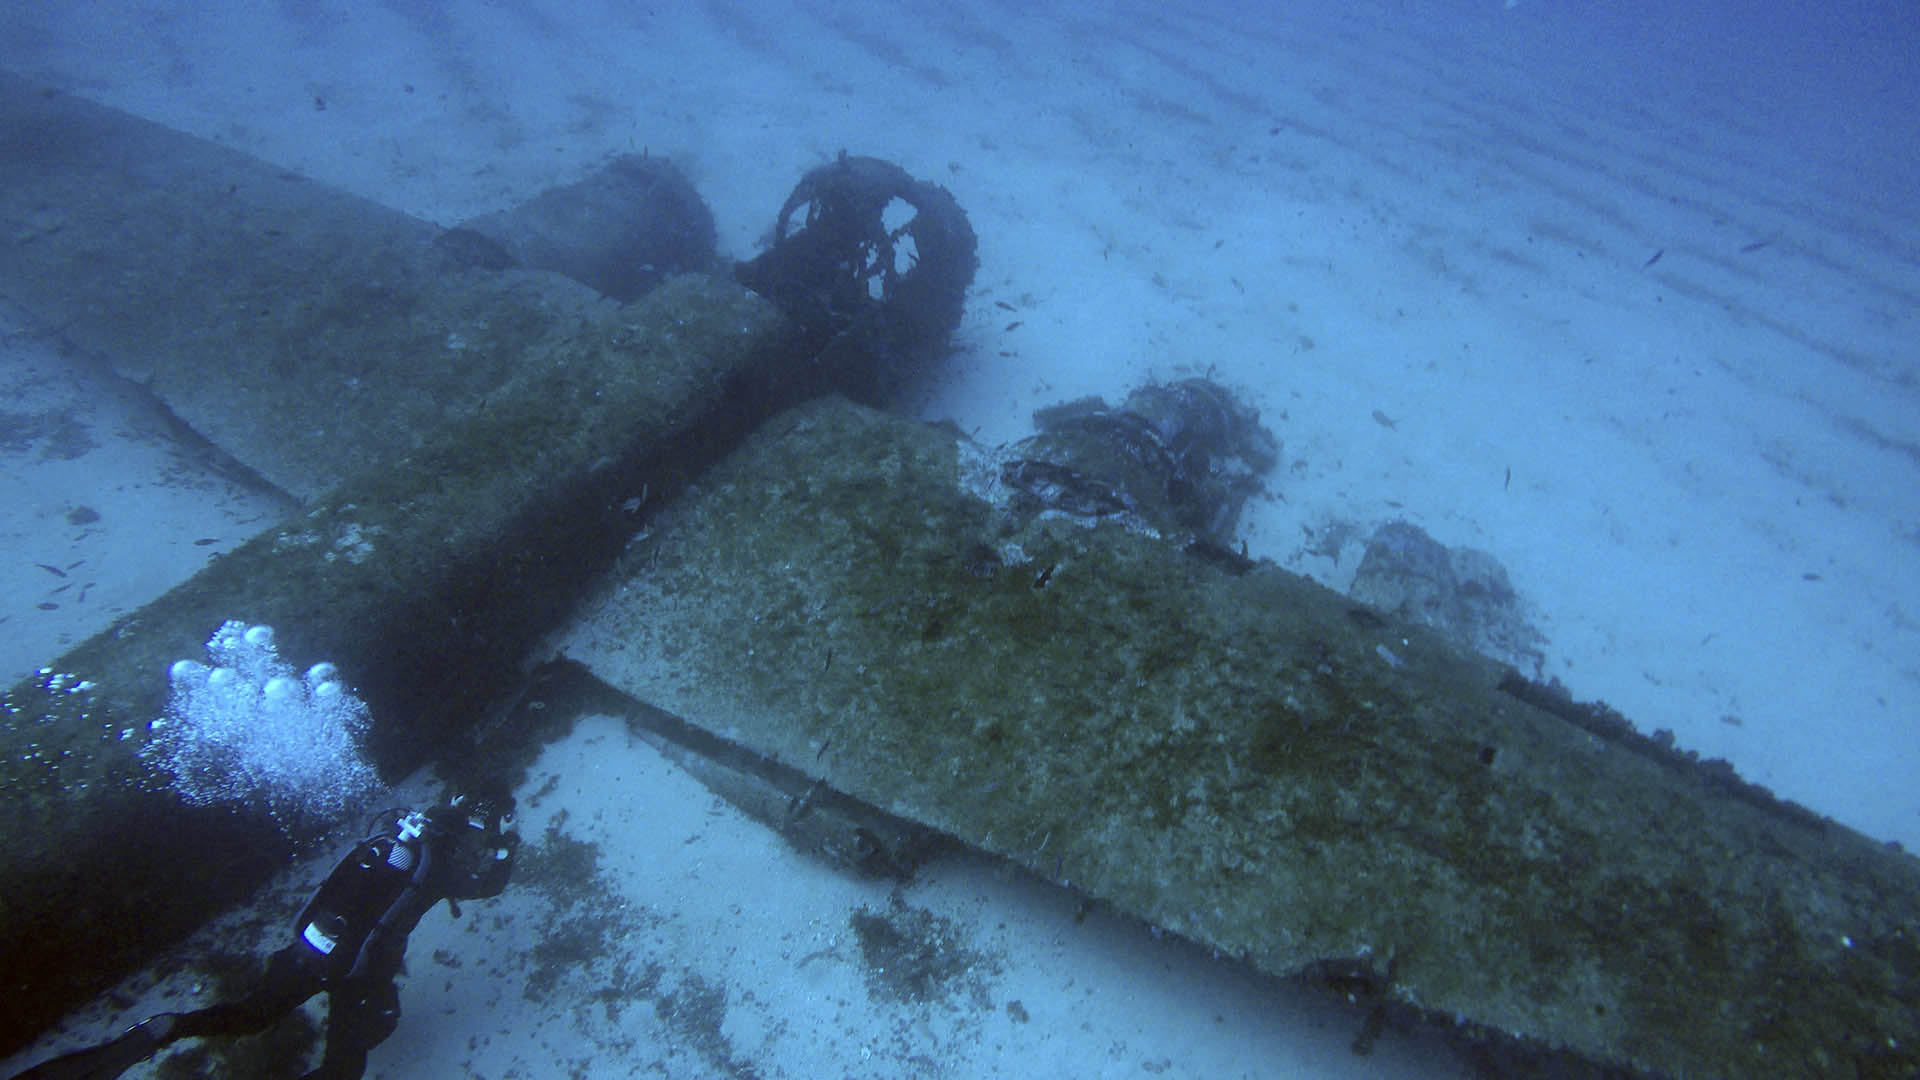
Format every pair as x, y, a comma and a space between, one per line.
108, 1060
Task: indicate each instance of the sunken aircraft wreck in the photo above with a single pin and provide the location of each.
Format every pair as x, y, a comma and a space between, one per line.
1036, 651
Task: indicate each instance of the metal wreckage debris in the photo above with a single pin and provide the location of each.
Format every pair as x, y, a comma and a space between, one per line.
452, 413
1051, 652
1241, 756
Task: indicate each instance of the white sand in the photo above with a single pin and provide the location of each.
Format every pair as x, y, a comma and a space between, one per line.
103, 504
1714, 503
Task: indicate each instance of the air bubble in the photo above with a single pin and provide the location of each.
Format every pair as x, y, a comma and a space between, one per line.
250, 729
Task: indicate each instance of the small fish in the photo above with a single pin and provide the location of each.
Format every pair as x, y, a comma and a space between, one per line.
798, 807
1014, 325
1755, 246
1654, 259
1003, 305
1384, 420
205, 541
54, 570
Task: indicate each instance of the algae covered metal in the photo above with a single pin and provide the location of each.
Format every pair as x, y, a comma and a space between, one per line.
308, 333
428, 580
1253, 761
473, 442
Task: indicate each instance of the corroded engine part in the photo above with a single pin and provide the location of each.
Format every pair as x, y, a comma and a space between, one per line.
873, 267
620, 231
1181, 458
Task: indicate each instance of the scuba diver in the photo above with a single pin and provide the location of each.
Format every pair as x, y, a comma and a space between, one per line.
349, 940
